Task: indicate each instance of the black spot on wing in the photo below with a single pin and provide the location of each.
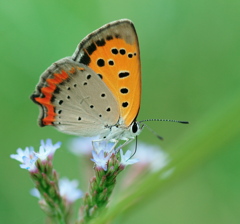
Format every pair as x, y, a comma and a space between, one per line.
111, 62
114, 50
57, 90
85, 59
124, 90
91, 48
100, 43
123, 74
109, 37
100, 62
122, 51
53, 98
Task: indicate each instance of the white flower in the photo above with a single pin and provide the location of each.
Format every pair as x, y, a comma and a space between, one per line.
28, 152
105, 146
101, 159
126, 159
47, 149
68, 189
84, 146
27, 157
29, 164
81, 146
152, 156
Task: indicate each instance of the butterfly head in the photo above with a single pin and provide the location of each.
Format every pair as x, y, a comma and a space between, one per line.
135, 128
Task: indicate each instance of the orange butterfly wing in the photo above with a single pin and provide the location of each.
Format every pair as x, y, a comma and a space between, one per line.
113, 52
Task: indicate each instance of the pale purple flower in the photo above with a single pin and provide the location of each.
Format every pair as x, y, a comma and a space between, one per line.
28, 152
27, 157
47, 149
29, 164
126, 159
152, 156
81, 146
106, 146
68, 190
84, 145
101, 159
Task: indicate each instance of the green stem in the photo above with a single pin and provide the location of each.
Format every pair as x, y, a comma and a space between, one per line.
101, 188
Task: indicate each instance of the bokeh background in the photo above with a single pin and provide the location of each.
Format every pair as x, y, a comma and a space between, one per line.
190, 52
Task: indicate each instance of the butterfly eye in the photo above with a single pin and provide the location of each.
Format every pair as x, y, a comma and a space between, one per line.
135, 127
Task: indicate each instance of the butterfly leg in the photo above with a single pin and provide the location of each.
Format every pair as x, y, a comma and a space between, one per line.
99, 144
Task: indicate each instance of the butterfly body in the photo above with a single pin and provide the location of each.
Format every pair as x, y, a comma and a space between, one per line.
97, 91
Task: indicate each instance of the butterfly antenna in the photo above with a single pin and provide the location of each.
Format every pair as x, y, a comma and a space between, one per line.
182, 122
155, 133
151, 130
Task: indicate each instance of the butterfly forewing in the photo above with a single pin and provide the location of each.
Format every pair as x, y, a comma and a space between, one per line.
113, 53
75, 100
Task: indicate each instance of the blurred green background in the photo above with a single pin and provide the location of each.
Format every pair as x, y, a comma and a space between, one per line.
190, 52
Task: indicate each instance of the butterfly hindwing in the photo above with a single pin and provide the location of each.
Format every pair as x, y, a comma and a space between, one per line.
74, 99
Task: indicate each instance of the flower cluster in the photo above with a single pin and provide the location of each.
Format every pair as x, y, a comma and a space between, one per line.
56, 196
28, 157
107, 166
102, 155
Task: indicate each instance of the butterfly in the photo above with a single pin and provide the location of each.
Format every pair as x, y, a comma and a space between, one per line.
96, 91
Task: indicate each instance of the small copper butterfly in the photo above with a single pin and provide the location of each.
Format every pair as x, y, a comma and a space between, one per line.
97, 91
